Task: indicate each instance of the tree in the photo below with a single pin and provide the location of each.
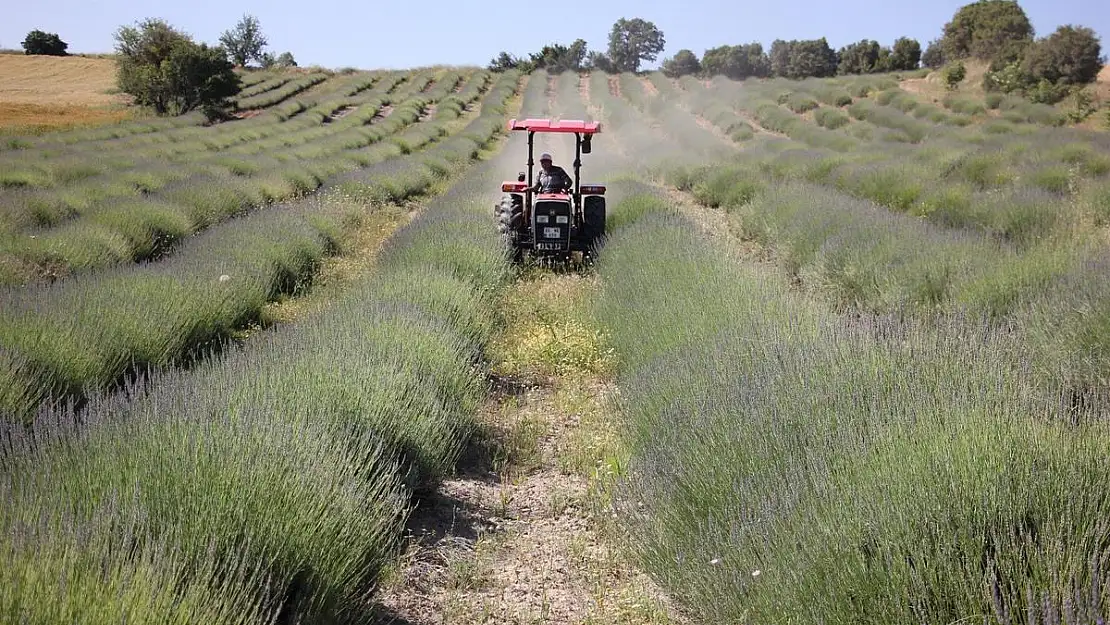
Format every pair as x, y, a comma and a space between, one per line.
933, 57
905, 56
800, 59
166, 70
859, 58
285, 59
633, 41
245, 42
504, 62
49, 44
1069, 56
683, 63
576, 55
600, 61
736, 62
988, 30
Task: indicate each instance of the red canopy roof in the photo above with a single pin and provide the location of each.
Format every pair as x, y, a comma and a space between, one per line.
547, 125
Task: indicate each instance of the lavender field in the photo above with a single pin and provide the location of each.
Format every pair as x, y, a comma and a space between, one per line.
862, 341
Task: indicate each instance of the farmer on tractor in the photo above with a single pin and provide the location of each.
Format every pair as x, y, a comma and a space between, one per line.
552, 214
551, 178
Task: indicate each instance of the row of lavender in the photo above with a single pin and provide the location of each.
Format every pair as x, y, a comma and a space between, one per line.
790, 464
270, 484
59, 341
794, 463
965, 222
186, 184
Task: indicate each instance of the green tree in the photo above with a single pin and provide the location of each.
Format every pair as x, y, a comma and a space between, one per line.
683, 63
557, 58
988, 30
576, 55
245, 42
859, 58
504, 62
164, 69
933, 57
632, 42
1070, 56
49, 44
599, 61
737, 62
285, 59
905, 56
801, 59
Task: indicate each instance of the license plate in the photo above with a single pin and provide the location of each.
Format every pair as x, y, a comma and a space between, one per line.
552, 233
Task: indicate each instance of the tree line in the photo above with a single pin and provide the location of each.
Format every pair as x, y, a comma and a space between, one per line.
165, 70
241, 44
995, 31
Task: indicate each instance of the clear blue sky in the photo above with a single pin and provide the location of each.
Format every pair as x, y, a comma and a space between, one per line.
407, 33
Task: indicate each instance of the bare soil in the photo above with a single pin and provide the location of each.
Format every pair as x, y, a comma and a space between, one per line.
649, 87
615, 86
429, 111
58, 80
39, 93
1102, 84
519, 536
612, 145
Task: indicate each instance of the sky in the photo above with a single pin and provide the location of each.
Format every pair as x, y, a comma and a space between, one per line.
398, 34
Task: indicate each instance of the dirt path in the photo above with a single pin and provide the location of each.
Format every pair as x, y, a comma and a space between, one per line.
521, 535
615, 86
615, 147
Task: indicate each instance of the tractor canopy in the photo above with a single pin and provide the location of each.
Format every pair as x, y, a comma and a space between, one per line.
547, 125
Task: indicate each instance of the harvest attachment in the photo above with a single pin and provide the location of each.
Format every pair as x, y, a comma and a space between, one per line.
552, 225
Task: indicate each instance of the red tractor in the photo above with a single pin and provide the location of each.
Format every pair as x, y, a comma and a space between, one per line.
552, 225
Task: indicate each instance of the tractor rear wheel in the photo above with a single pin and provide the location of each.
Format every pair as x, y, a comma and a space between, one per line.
510, 216
593, 216
510, 223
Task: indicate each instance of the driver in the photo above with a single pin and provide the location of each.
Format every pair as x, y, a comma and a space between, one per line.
552, 178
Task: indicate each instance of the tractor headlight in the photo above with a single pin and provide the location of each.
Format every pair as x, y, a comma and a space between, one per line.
541, 219
560, 219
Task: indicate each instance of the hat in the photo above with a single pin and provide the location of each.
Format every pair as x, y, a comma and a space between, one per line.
545, 157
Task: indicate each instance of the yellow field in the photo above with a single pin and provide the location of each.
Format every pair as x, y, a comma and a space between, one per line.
42, 93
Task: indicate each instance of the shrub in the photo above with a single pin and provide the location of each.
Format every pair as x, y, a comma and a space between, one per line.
1083, 106
831, 118
800, 102
953, 74
49, 44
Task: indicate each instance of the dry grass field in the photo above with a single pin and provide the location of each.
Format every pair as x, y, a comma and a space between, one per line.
48, 93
